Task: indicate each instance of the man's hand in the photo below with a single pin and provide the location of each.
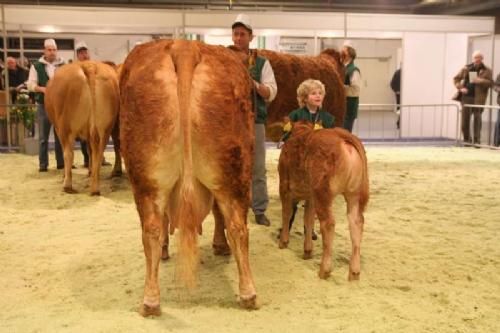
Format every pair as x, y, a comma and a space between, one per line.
464, 90
262, 90
40, 89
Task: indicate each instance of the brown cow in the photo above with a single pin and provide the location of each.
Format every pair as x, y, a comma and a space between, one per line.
187, 140
315, 166
290, 71
82, 101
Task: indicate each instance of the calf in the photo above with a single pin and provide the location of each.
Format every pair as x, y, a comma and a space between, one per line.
315, 166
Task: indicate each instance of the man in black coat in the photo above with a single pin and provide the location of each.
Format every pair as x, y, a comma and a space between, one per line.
17, 78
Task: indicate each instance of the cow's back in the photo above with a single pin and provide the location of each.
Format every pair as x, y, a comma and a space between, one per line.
186, 113
83, 96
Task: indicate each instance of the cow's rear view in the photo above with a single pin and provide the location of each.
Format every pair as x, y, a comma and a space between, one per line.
82, 101
187, 139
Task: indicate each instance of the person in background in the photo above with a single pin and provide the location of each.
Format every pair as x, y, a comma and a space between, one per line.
396, 87
17, 78
496, 87
265, 89
83, 54
352, 83
473, 81
40, 73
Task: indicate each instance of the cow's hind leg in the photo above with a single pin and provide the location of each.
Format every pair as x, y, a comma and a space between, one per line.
97, 143
308, 227
327, 227
237, 232
67, 144
152, 240
219, 244
164, 249
286, 214
356, 222
115, 134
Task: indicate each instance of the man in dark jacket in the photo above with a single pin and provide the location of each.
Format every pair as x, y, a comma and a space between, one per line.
496, 87
396, 87
17, 78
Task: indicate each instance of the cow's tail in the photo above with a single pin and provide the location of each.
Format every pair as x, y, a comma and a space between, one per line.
90, 71
185, 57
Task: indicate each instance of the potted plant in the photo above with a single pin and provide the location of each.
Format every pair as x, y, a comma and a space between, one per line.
25, 111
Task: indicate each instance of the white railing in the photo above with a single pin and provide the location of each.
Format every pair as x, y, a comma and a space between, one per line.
417, 122
491, 126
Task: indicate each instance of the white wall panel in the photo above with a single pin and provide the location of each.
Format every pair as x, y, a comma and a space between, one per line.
422, 80
127, 19
430, 23
454, 59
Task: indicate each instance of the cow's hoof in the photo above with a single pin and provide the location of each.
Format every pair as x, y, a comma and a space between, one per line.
164, 253
249, 303
221, 250
148, 311
95, 193
324, 274
69, 190
307, 255
353, 276
283, 245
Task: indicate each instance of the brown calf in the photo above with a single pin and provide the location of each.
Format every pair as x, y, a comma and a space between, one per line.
187, 141
315, 166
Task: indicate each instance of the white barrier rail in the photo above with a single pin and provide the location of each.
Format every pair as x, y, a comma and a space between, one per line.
416, 122
493, 135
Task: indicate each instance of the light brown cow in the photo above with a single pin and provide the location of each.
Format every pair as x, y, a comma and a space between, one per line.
187, 140
315, 166
290, 71
82, 101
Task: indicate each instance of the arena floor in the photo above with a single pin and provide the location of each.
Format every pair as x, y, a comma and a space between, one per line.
430, 256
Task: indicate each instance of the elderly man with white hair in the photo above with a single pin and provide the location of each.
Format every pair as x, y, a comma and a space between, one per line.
473, 81
40, 72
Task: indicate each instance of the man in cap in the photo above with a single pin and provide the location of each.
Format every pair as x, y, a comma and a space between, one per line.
473, 81
82, 51
352, 82
265, 89
40, 72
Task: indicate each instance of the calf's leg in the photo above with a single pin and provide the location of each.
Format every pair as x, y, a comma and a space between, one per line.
308, 227
286, 214
327, 228
356, 222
